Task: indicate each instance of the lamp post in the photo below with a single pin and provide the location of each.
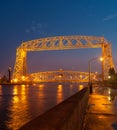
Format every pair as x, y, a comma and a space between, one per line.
9, 72
90, 83
102, 60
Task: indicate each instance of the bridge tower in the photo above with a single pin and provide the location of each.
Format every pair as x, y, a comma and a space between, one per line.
107, 62
20, 68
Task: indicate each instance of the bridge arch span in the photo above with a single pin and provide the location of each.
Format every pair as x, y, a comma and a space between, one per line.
62, 43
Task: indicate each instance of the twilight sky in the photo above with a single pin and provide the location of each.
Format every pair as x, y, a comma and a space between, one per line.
24, 20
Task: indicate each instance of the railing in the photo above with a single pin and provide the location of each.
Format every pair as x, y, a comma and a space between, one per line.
68, 115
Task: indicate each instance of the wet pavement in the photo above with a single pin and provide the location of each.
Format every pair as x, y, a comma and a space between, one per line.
102, 110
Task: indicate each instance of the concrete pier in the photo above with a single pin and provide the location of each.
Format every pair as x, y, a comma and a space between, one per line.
101, 113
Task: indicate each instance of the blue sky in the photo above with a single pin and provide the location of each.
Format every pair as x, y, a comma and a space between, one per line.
24, 20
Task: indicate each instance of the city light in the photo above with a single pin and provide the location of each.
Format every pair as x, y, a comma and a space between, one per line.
109, 77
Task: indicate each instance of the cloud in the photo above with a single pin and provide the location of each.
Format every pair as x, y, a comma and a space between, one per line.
110, 17
36, 27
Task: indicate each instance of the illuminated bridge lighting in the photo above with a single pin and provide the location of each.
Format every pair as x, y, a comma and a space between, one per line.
61, 43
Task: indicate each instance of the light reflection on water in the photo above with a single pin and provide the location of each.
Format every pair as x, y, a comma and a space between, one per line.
17, 107
22, 103
59, 93
110, 92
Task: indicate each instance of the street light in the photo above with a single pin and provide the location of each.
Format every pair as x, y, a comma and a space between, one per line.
9, 72
92, 59
90, 69
102, 60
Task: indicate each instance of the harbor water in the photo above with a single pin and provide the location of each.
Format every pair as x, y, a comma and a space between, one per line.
21, 103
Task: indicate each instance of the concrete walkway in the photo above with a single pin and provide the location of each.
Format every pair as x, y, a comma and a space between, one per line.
101, 113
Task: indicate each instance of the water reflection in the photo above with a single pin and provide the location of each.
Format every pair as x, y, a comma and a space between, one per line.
71, 86
110, 92
41, 94
18, 108
0, 89
59, 93
21, 103
15, 90
0, 94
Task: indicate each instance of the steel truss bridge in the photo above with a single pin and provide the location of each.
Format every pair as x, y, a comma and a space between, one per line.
62, 75
61, 43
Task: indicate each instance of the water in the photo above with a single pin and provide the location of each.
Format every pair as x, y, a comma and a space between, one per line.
21, 103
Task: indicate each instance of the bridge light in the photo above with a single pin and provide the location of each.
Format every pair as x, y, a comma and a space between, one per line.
60, 75
15, 80
23, 78
109, 77
80, 76
71, 76
60, 69
101, 59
